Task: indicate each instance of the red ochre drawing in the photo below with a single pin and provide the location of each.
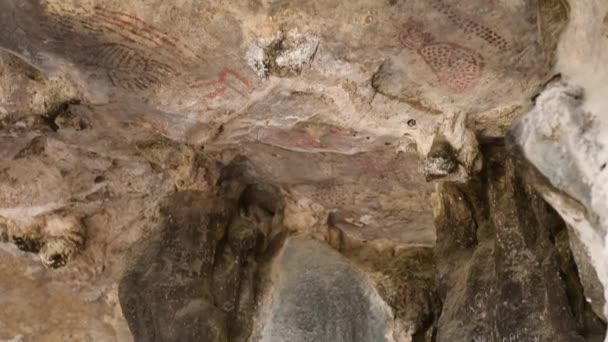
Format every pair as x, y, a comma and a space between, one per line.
470, 26
456, 66
333, 140
223, 83
340, 141
294, 138
129, 23
129, 27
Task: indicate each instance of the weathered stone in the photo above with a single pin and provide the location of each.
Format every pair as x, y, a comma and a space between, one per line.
406, 281
563, 143
441, 160
109, 107
499, 268
318, 295
195, 280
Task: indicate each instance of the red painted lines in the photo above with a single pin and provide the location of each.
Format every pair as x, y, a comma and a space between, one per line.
457, 67
138, 27
227, 79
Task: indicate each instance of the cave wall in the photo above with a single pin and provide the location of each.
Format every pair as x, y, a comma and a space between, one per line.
224, 267
563, 137
118, 120
503, 271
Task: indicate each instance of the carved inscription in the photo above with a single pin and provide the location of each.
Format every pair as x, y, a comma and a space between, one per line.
457, 67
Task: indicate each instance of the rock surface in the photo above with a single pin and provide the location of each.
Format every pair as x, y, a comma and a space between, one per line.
318, 295
501, 275
195, 281
563, 141
207, 156
567, 128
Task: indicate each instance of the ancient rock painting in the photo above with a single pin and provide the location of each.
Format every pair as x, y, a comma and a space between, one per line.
129, 23
227, 79
340, 140
294, 138
470, 26
316, 139
134, 55
457, 67
126, 66
105, 22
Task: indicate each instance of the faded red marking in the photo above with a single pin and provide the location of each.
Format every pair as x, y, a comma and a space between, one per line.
135, 29
172, 41
470, 26
103, 26
88, 25
127, 26
133, 17
339, 142
456, 66
222, 84
295, 138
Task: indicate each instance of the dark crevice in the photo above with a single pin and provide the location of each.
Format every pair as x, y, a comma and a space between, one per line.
209, 251
518, 268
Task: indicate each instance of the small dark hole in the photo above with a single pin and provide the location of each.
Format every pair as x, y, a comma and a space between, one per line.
367, 138
99, 179
27, 245
411, 122
603, 167
57, 260
387, 144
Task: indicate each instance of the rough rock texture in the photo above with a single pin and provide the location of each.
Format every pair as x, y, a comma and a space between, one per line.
318, 295
74, 303
563, 141
196, 279
396, 72
143, 141
406, 280
567, 128
503, 275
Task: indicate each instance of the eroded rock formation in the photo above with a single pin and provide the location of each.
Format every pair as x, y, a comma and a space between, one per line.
504, 273
196, 280
303, 170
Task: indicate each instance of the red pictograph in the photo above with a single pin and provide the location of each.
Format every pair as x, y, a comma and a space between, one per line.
470, 26
456, 66
227, 79
137, 28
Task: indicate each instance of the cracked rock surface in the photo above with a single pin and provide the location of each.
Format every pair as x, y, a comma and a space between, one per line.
276, 170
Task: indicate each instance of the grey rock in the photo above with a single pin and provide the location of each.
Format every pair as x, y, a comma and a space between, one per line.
318, 295
194, 280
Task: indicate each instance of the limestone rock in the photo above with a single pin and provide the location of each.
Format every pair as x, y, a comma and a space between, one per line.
563, 142
317, 295
172, 147
196, 279
499, 268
